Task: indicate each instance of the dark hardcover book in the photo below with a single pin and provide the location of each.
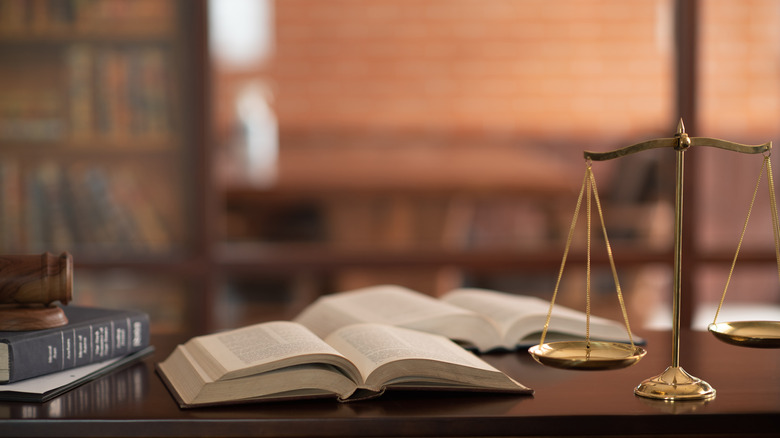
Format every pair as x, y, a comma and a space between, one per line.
92, 335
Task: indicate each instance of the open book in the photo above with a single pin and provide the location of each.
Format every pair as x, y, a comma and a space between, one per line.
481, 319
283, 360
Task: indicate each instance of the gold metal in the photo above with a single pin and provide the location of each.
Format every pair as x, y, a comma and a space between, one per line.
587, 355
678, 223
679, 141
756, 334
675, 384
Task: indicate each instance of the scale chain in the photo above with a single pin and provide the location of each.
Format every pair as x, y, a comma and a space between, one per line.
569, 240
765, 166
590, 190
773, 206
611, 260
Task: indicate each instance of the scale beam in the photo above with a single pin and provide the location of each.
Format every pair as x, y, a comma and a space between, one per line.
673, 142
681, 141
674, 383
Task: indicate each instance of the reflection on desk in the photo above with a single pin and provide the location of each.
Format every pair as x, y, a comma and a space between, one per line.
134, 402
111, 392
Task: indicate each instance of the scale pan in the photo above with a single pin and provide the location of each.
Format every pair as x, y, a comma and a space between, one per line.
574, 355
757, 334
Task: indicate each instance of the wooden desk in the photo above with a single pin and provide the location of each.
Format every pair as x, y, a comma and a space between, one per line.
134, 402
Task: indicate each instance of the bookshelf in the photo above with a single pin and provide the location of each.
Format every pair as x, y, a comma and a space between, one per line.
102, 146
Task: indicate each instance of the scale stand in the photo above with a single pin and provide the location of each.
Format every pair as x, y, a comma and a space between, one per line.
675, 383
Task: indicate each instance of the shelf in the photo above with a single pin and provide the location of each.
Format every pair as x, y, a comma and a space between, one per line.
254, 257
99, 150
334, 169
123, 33
24, 22
100, 146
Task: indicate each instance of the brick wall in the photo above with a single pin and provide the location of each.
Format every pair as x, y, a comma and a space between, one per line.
530, 68
739, 69
553, 70
602, 69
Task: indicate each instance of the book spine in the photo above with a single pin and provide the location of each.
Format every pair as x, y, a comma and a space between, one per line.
76, 345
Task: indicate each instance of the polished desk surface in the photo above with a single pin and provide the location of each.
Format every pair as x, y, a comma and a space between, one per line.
134, 402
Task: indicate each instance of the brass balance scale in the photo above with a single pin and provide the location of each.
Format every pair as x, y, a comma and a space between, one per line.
674, 383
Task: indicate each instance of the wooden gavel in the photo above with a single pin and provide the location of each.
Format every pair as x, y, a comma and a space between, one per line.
29, 285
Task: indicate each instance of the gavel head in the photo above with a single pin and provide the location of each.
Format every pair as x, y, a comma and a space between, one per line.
36, 279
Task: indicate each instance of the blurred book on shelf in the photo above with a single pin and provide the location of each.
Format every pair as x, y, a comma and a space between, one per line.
86, 208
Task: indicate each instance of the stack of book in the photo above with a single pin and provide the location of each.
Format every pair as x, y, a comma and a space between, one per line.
38, 365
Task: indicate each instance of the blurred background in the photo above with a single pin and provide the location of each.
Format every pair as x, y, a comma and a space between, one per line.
222, 162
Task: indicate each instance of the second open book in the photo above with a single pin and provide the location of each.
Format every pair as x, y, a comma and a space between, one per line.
481, 319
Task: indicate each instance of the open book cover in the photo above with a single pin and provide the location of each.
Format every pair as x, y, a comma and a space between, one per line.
283, 360
480, 319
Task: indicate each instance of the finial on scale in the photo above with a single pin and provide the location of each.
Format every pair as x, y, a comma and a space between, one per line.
683, 141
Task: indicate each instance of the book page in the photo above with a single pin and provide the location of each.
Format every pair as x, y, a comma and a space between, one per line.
502, 308
383, 304
519, 316
371, 346
402, 307
262, 347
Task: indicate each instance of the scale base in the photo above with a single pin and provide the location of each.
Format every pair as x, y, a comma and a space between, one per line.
675, 384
